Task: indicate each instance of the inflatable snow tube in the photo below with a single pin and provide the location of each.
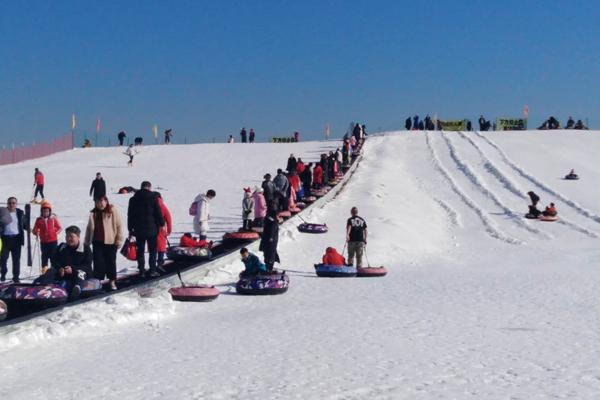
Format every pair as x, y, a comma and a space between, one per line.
284, 214
309, 199
245, 236
31, 295
573, 177
335, 271
194, 293
320, 192
369, 272
91, 287
3, 310
295, 210
301, 205
275, 283
313, 228
549, 218
531, 216
179, 253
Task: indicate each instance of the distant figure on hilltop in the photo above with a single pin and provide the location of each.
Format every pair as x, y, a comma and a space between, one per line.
168, 136
579, 125
243, 135
415, 122
408, 124
570, 123
38, 182
296, 136
230, 139
121, 136
252, 135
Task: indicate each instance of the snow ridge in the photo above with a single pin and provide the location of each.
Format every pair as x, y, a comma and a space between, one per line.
581, 210
490, 227
476, 181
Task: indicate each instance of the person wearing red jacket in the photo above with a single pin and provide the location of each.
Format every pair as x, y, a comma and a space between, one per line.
294, 180
332, 257
187, 240
300, 166
47, 227
318, 176
39, 185
163, 232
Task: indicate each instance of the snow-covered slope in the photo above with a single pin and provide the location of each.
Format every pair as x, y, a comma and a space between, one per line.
479, 303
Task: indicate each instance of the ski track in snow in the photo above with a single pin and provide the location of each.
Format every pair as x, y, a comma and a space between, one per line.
513, 187
472, 176
490, 227
581, 210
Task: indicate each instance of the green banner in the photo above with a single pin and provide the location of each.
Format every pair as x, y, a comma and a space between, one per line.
454, 125
511, 124
282, 140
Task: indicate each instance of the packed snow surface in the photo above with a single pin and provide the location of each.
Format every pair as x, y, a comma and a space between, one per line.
478, 303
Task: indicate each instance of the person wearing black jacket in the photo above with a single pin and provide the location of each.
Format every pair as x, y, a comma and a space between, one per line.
408, 124
71, 263
291, 164
306, 178
144, 219
98, 188
269, 239
121, 136
270, 192
534, 198
244, 135
13, 239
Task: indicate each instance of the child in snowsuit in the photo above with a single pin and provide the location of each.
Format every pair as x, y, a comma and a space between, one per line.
47, 227
332, 257
550, 211
247, 209
187, 240
252, 263
163, 232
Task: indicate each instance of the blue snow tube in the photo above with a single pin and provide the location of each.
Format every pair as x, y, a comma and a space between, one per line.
263, 284
312, 228
335, 271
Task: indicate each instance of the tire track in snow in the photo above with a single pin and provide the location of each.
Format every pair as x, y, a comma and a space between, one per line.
490, 227
514, 188
476, 181
581, 210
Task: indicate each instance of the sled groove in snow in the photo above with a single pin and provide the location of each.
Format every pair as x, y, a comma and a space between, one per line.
490, 226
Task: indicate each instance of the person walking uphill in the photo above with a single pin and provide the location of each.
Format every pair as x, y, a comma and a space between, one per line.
356, 237
38, 182
98, 188
105, 233
144, 219
12, 241
47, 227
203, 213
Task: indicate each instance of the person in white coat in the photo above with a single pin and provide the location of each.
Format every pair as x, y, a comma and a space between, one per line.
203, 213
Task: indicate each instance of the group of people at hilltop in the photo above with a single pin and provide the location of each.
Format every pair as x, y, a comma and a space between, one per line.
121, 136
552, 123
416, 124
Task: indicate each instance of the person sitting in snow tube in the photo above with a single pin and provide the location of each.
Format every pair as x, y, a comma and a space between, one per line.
127, 189
71, 264
572, 175
187, 240
550, 211
533, 213
332, 257
252, 263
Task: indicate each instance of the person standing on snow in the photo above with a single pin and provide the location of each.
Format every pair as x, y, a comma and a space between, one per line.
98, 188
291, 164
47, 227
163, 232
356, 237
534, 198
104, 232
243, 135
408, 124
13, 239
230, 139
144, 220
121, 136
269, 240
306, 178
260, 207
247, 209
281, 185
203, 213
252, 135
130, 152
270, 192
38, 182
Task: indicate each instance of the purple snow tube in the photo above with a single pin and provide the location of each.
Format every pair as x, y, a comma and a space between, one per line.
313, 228
264, 284
30, 295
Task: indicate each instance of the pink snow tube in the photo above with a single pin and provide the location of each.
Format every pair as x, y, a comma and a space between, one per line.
284, 214
240, 236
194, 293
369, 272
3, 310
295, 210
549, 218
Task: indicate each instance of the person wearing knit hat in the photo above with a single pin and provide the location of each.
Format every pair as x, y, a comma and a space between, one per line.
247, 209
46, 228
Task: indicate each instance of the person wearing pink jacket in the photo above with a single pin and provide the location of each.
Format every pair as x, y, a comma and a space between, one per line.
260, 207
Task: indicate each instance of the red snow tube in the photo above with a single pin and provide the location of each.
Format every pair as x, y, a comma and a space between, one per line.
371, 272
549, 218
194, 293
241, 236
295, 210
284, 214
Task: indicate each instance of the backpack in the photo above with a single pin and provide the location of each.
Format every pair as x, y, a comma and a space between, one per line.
193, 208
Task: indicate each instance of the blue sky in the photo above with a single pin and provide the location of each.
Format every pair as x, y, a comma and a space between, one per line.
206, 69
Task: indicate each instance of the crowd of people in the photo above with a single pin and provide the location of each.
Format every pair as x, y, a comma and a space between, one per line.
416, 124
552, 123
148, 223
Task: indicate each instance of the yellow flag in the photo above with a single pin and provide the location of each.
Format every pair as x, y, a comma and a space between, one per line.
155, 131
73, 124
